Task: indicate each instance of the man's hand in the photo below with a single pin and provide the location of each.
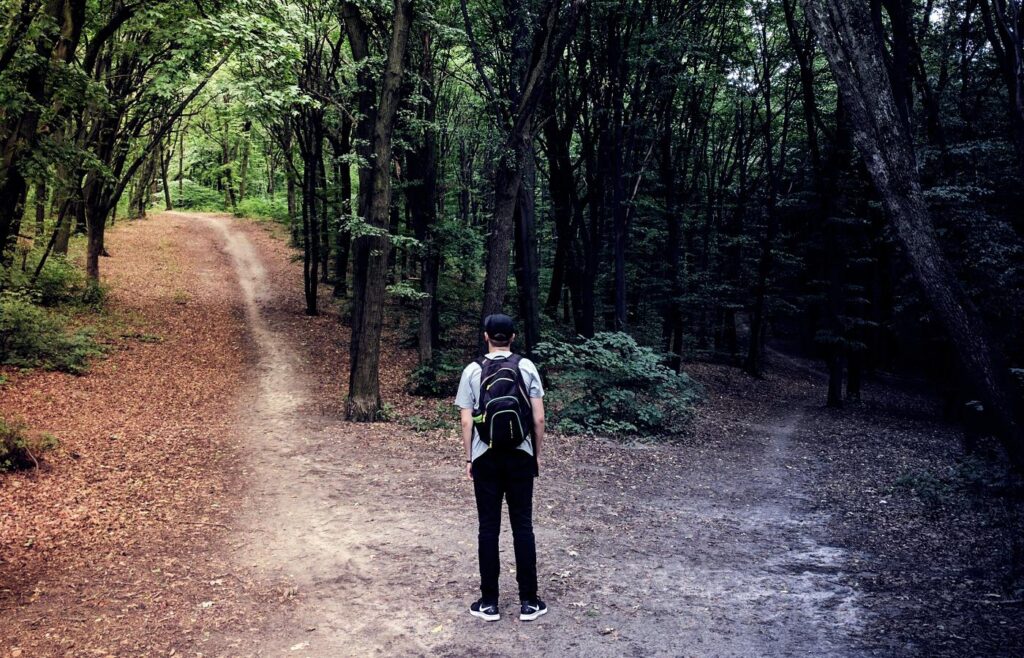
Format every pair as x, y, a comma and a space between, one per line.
469, 471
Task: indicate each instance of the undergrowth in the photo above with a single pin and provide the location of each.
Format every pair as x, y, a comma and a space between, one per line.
36, 330
610, 385
19, 449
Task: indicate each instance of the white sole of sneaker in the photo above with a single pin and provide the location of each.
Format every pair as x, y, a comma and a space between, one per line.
485, 616
532, 616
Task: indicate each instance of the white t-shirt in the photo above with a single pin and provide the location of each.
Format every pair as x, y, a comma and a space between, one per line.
469, 395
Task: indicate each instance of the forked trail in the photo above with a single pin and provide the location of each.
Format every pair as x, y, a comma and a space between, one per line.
665, 550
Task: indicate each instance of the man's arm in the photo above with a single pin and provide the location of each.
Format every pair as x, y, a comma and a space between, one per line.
466, 417
537, 404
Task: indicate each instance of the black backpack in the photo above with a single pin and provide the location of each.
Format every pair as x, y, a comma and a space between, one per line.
503, 417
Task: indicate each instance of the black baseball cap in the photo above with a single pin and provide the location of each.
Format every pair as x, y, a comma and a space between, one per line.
499, 326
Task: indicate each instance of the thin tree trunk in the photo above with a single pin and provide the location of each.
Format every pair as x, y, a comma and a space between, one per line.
164, 165
344, 236
41, 194
527, 276
243, 169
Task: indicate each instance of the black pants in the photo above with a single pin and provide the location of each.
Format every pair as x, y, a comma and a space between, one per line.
509, 475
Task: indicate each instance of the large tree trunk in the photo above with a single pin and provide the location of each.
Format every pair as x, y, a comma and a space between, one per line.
508, 178
854, 52
562, 187
364, 402
672, 318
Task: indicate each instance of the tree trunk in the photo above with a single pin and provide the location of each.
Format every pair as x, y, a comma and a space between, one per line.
323, 223
310, 133
344, 183
528, 77
364, 402
854, 52
499, 237
243, 170
20, 128
165, 163
41, 194
562, 188
527, 276
421, 203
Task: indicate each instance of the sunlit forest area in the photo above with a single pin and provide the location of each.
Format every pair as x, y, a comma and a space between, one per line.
776, 242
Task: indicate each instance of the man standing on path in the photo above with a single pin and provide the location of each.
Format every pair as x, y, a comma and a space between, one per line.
502, 431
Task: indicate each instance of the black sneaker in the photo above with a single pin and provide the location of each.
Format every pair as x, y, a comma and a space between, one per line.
530, 610
485, 611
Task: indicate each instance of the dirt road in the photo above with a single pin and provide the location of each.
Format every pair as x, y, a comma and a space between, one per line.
643, 550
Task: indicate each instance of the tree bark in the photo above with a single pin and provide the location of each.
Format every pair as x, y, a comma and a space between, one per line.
41, 194
22, 127
343, 174
165, 162
529, 76
854, 52
527, 275
364, 401
421, 202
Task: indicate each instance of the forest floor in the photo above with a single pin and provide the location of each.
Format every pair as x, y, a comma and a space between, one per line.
208, 499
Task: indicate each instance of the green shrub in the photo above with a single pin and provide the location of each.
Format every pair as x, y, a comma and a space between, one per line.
194, 196
422, 424
440, 377
59, 282
32, 336
273, 208
610, 385
19, 449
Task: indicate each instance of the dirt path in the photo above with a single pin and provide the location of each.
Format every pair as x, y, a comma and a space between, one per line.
668, 550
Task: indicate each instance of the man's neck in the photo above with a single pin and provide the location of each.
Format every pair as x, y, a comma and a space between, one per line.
498, 350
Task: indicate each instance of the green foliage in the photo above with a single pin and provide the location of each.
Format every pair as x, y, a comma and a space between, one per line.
14, 446
423, 424
32, 336
611, 385
59, 282
194, 196
387, 413
261, 207
406, 292
936, 488
19, 449
440, 377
